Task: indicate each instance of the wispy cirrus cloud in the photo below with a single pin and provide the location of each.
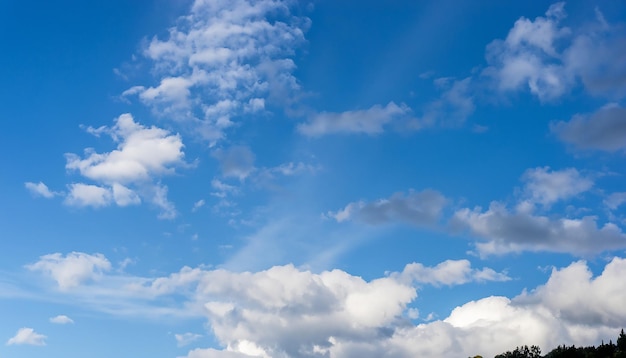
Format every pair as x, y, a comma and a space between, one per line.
41, 189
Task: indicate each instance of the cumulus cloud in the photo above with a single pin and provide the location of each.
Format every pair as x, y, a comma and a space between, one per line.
520, 230
545, 186
88, 195
603, 130
27, 336
525, 59
142, 152
128, 174
61, 319
369, 121
417, 208
223, 61
40, 189
549, 59
450, 272
72, 269
285, 311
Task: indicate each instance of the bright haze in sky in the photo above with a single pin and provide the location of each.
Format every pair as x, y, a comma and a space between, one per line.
275, 178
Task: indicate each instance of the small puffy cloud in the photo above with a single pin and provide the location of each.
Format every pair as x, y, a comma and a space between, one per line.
129, 174
450, 272
88, 195
369, 121
417, 208
545, 186
73, 269
61, 319
40, 189
236, 161
602, 130
27, 336
184, 339
526, 58
514, 231
142, 153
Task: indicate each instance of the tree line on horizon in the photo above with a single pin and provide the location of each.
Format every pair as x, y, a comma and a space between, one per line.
604, 350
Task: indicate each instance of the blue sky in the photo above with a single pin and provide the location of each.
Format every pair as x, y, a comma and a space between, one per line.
310, 179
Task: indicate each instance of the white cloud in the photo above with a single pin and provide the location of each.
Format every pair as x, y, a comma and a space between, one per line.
526, 58
603, 130
40, 189
88, 195
27, 336
185, 339
449, 272
285, 311
127, 175
61, 319
236, 161
197, 205
418, 208
369, 121
514, 231
141, 154
124, 196
73, 269
229, 54
545, 186
222, 189
549, 59
615, 200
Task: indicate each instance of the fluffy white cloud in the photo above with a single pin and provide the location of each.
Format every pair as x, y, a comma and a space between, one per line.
141, 153
549, 59
27, 336
127, 175
418, 208
525, 59
61, 319
369, 121
513, 231
285, 311
88, 195
222, 61
73, 269
602, 130
449, 272
40, 189
545, 186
